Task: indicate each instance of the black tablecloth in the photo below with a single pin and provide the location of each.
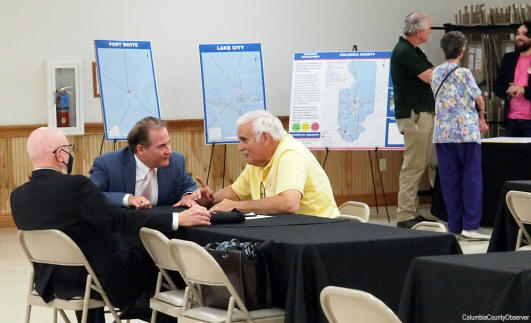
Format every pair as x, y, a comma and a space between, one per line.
311, 253
505, 230
447, 288
500, 162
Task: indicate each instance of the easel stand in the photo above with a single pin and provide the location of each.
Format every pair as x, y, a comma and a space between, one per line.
381, 183
373, 180
103, 140
224, 163
326, 157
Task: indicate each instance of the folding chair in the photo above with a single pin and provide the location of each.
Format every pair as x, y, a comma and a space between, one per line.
519, 203
56, 248
342, 305
171, 301
198, 267
355, 211
430, 226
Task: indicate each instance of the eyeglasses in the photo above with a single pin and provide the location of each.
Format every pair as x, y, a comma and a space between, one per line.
71, 146
262, 191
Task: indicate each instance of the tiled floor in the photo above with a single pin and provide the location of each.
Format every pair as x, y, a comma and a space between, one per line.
14, 271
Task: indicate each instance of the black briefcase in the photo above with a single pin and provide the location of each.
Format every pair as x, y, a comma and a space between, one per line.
247, 271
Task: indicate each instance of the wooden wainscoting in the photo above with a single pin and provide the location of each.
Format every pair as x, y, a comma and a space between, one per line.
349, 171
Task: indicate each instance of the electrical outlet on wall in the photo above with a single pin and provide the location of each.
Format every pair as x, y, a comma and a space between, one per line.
383, 164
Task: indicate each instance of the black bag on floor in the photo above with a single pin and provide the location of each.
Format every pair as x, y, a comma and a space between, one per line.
246, 267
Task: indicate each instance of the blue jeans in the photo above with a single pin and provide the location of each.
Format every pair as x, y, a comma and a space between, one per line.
518, 128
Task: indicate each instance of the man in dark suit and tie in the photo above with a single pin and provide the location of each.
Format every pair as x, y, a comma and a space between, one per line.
146, 172
74, 205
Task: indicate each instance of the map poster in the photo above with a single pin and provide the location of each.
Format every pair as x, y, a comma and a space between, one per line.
127, 85
343, 100
233, 84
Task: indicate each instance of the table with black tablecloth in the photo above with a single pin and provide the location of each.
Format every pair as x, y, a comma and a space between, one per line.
448, 288
311, 253
501, 162
505, 230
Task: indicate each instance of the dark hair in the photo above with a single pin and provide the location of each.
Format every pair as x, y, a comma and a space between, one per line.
527, 24
139, 134
452, 43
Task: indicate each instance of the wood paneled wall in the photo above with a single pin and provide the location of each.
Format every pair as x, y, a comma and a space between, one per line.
349, 171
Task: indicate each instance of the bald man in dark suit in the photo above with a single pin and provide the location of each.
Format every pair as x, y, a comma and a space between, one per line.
73, 204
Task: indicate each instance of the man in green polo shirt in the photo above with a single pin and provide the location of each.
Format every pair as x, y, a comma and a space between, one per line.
414, 107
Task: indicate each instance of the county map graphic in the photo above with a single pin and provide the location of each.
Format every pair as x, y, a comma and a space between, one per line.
357, 102
128, 88
233, 85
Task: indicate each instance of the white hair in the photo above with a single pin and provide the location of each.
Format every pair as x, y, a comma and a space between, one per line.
415, 21
263, 121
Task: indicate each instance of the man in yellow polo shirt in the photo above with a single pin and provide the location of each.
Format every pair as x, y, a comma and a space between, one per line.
281, 175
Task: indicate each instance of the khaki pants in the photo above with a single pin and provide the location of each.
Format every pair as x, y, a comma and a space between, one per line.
418, 153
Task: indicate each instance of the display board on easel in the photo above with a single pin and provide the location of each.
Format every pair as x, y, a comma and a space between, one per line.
343, 100
127, 85
233, 84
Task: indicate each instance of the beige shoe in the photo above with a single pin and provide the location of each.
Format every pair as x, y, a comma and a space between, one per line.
474, 235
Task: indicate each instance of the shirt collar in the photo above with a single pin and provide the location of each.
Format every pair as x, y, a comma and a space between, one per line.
39, 168
405, 41
141, 168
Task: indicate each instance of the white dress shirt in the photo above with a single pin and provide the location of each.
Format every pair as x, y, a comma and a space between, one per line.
141, 172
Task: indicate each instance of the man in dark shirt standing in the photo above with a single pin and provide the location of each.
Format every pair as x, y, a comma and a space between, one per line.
414, 107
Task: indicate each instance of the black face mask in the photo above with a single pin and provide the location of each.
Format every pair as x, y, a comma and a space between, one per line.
70, 157
70, 163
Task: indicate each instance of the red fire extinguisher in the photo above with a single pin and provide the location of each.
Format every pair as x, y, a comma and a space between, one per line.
63, 106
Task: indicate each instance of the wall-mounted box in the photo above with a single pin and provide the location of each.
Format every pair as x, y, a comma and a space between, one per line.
64, 97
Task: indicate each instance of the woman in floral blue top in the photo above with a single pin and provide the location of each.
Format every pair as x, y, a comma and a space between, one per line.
459, 110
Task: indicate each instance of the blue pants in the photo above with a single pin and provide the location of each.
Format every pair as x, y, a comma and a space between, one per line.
461, 184
518, 128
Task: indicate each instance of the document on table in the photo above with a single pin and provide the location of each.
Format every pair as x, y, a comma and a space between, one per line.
252, 216
507, 140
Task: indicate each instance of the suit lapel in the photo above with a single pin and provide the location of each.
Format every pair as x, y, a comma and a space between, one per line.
129, 172
163, 180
